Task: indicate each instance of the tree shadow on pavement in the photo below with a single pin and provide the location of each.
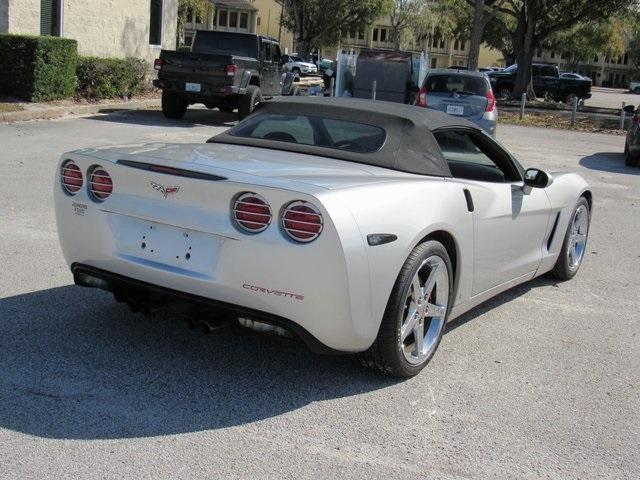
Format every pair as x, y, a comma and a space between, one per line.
193, 118
608, 162
76, 365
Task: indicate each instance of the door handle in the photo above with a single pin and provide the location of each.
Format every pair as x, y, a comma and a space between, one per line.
469, 199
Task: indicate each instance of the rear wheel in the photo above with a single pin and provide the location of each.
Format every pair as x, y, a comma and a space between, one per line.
575, 242
504, 92
249, 101
415, 316
630, 160
173, 106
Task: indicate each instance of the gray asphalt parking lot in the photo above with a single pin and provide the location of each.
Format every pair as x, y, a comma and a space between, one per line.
540, 382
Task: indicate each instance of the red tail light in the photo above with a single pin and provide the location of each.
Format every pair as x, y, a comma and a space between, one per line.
491, 101
251, 213
422, 97
71, 177
302, 221
158, 63
100, 184
231, 70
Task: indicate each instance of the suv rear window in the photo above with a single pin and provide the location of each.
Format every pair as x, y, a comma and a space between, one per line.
455, 82
226, 44
311, 130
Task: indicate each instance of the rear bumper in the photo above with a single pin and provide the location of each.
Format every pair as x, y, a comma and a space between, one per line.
113, 282
207, 92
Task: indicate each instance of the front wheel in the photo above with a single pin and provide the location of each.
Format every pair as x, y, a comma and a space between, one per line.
575, 242
173, 106
249, 101
630, 159
414, 320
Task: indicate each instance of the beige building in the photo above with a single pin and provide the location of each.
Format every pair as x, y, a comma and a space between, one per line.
117, 28
245, 16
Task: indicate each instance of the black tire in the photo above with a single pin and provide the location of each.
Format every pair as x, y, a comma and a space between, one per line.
248, 101
630, 160
504, 92
562, 270
173, 106
386, 354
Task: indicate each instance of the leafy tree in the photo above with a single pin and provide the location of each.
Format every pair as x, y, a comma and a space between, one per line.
319, 23
585, 40
407, 20
201, 9
530, 23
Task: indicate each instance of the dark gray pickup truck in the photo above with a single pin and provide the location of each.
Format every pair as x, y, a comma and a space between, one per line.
224, 70
546, 82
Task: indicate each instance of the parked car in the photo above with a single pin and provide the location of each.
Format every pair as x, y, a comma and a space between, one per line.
546, 81
575, 76
460, 93
295, 64
632, 142
634, 87
224, 70
355, 226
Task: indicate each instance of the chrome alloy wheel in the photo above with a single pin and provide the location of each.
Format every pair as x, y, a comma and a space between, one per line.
425, 310
577, 237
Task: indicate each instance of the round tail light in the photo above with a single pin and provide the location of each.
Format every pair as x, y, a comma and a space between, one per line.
71, 176
302, 221
100, 184
251, 213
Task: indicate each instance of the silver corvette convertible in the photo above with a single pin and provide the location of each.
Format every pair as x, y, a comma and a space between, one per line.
355, 226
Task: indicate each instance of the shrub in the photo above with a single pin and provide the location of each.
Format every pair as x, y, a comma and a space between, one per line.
110, 77
37, 68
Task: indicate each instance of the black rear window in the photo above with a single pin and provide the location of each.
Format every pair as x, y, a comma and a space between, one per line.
452, 82
221, 43
311, 130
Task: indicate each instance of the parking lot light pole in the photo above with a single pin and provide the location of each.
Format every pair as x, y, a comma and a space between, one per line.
574, 111
523, 101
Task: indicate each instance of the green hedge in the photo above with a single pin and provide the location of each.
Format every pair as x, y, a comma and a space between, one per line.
110, 77
37, 68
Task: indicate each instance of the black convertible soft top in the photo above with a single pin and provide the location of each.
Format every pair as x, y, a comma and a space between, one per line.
409, 146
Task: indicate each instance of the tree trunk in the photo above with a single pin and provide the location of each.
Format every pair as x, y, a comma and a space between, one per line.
524, 49
476, 35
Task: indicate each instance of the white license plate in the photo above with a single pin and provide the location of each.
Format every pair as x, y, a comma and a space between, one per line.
455, 110
192, 87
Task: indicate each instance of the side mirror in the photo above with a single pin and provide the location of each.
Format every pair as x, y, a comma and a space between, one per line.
629, 109
535, 178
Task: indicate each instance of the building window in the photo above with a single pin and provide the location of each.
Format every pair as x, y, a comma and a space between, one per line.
155, 23
361, 35
596, 59
434, 63
553, 54
375, 34
222, 18
442, 43
383, 34
233, 19
462, 45
244, 20
50, 17
626, 59
456, 45
258, 21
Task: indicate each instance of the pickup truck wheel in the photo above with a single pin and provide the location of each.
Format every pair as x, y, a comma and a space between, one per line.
504, 93
414, 320
249, 101
173, 106
569, 98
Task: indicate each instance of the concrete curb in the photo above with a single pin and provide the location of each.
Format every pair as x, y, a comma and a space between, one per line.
57, 112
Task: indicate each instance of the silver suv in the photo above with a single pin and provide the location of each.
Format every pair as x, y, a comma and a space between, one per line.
462, 94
